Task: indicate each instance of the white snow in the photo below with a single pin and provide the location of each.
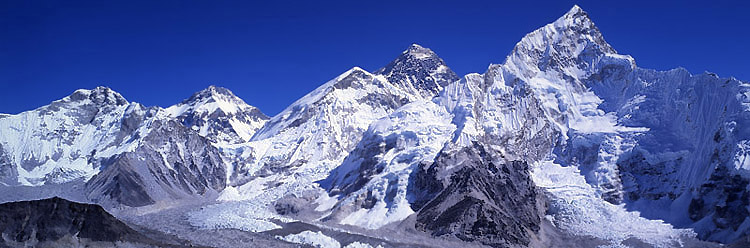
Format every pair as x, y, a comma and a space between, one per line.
420, 130
575, 208
231, 215
316, 239
55, 141
361, 245
215, 100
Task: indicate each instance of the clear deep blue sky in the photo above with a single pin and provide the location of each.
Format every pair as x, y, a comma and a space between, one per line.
270, 54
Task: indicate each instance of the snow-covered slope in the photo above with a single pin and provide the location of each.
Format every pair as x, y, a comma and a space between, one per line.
376, 174
318, 130
58, 142
217, 114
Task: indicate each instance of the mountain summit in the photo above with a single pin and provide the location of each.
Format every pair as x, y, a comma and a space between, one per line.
418, 71
218, 114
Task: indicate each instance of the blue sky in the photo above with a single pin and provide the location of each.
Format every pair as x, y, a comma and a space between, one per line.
272, 52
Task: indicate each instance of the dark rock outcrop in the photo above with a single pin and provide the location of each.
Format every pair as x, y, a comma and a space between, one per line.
34, 223
478, 197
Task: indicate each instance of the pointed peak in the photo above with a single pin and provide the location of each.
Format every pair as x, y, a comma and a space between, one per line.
216, 90
575, 10
576, 17
419, 52
212, 91
355, 69
564, 38
414, 47
419, 71
212, 99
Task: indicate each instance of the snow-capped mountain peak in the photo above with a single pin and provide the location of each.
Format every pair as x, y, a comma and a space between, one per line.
419, 71
327, 122
209, 100
55, 143
575, 10
571, 45
217, 113
419, 52
100, 95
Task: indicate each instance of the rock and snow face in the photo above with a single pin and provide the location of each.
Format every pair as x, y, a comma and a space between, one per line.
55, 143
319, 129
123, 152
419, 71
658, 141
372, 182
323, 126
217, 114
171, 162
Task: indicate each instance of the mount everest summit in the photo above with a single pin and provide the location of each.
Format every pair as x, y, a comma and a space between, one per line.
565, 144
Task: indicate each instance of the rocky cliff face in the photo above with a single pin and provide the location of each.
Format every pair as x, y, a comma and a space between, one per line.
473, 194
170, 163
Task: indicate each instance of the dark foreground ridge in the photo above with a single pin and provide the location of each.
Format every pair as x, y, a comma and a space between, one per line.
59, 222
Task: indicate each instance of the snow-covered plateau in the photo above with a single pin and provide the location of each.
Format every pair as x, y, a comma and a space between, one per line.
566, 144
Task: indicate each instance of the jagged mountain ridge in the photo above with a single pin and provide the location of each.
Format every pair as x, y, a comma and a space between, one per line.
563, 104
145, 169
120, 153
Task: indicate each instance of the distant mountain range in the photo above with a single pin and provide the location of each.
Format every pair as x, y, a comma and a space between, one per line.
565, 144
